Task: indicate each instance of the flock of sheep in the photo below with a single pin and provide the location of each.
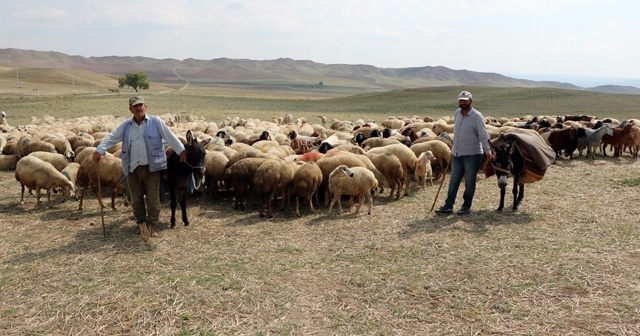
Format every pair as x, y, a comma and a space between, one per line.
286, 157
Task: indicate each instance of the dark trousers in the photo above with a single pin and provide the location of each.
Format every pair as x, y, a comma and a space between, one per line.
143, 183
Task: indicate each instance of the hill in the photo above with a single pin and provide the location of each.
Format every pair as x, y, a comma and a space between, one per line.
282, 71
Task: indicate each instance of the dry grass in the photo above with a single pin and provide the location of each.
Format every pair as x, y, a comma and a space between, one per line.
567, 263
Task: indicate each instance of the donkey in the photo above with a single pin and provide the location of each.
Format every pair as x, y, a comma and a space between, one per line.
507, 160
183, 175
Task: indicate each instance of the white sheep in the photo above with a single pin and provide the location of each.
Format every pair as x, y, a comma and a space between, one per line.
423, 168
34, 173
327, 165
440, 151
111, 177
4, 125
58, 160
356, 181
71, 172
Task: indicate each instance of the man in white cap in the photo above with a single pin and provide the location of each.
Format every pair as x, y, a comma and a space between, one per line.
470, 144
143, 159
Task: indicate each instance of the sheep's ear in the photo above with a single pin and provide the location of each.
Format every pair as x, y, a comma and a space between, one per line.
189, 137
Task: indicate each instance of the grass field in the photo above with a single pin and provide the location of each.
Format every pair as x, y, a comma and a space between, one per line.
566, 263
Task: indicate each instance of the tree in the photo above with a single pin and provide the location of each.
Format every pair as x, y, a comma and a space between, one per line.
136, 80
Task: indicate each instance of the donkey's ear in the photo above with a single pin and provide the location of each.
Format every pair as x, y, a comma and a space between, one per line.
189, 137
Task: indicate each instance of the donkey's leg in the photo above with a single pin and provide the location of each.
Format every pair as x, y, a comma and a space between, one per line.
173, 204
503, 191
516, 201
182, 195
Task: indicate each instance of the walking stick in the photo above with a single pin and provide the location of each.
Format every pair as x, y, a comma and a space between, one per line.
444, 174
99, 194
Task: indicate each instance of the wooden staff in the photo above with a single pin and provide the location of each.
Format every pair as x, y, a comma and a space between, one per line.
444, 174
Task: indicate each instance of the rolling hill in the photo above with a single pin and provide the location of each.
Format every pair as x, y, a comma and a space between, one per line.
282, 71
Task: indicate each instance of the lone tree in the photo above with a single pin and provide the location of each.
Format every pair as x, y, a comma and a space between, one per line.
136, 80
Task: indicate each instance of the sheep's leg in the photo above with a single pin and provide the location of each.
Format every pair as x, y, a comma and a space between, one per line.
37, 196
311, 201
370, 197
336, 197
297, 206
113, 198
407, 180
360, 202
22, 194
317, 200
269, 201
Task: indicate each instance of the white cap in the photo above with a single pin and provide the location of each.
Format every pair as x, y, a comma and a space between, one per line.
464, 95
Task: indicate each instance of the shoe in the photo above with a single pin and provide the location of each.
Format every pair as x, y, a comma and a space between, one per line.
464, 211
444, 211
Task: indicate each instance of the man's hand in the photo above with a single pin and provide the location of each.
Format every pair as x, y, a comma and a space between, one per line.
96, 157
183, 156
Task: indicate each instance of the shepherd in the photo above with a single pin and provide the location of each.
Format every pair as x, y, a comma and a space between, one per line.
143, 159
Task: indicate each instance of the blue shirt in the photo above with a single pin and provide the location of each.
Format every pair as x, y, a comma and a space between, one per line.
470, 136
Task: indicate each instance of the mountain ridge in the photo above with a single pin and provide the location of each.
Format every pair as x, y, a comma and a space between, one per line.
281, 71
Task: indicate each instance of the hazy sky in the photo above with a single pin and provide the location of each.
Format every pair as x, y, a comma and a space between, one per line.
573, 37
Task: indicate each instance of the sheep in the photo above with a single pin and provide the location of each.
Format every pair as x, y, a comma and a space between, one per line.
305, 184
111, 177
272, 176
378, 142
27, 145
407, 158
214, 163
592, 140
241, 175
4, 125
11, 147
328, 163
80, 140
58, 160
440, 151
323, 119
391, 168
441, 128
83, 154
8, 162
71, 172
633, 140
310, 156
61, 144
34, 173
423, 168
355, 181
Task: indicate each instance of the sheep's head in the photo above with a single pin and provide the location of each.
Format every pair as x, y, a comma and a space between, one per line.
345, 171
